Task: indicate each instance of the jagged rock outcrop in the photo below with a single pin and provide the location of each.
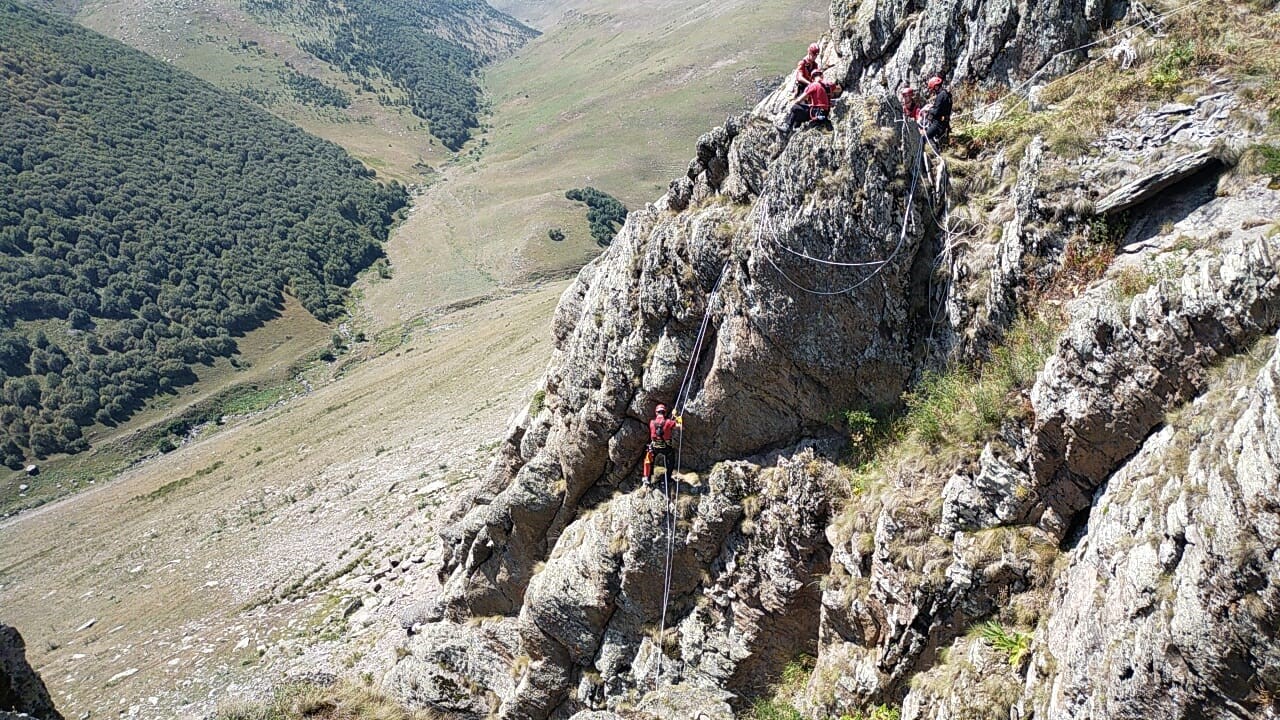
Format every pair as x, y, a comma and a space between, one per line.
625, 334
22, 692
907, 583
1115, 376
782, 282
1171, 604
889, 43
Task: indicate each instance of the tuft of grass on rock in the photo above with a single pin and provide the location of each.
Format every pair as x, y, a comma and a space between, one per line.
537, 403
773, 709
967, 405
1013, 643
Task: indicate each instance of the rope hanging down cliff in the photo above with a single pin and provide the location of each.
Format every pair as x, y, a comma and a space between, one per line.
670, 480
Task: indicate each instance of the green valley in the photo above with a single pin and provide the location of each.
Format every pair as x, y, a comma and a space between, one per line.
395, 83
150, 219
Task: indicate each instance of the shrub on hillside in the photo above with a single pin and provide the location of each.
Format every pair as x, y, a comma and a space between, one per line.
605, 213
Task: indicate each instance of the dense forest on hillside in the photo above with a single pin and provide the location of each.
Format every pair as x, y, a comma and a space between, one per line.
147, 218
391, 39
605, 213
310, 91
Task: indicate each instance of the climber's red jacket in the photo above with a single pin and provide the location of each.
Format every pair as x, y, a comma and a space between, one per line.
815, 96
805, 68
661, 429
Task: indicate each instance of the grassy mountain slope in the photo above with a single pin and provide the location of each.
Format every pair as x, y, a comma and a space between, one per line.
149, 217
403, 41
359, 454
613, 96
183, 558
404, 69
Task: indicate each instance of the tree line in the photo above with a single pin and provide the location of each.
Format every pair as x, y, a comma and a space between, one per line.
147, 219
395, 39
310, 91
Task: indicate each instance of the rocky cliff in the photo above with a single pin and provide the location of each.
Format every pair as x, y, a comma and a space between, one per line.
22, 692
1099, 541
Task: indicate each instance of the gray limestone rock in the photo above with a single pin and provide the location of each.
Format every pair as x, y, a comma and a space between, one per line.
626, 331
444, 663
1121, 366
786, 280
1169, 607
1148, 186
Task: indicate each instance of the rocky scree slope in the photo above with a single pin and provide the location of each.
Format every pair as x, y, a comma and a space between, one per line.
554, 579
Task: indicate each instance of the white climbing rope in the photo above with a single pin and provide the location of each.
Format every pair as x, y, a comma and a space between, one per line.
670, 481
765, 232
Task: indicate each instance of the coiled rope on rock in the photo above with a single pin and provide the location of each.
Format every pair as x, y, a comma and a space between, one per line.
671, 482
766, 233
763, 227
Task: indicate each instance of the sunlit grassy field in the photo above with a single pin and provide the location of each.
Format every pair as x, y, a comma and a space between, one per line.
613, 95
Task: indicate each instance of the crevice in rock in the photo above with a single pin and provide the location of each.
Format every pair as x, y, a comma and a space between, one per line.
1150, 217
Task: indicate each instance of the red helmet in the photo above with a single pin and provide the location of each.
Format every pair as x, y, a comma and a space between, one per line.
661, 409
814, 48
908, 91
934, 83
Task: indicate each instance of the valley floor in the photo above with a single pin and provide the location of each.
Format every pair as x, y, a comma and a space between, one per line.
200, 576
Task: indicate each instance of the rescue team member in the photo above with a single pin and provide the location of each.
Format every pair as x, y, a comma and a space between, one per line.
813, 105
935, 117
804, 70
910, 104
662, 430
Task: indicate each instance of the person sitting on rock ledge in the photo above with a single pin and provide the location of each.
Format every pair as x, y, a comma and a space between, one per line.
813, 105
662, 431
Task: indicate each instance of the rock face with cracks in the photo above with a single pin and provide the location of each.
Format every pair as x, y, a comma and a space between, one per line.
786, 280
627, 337
1171, 604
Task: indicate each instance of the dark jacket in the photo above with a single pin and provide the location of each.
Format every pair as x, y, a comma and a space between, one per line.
937, 114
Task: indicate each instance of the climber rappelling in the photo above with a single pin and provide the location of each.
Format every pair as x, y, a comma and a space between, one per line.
662, 432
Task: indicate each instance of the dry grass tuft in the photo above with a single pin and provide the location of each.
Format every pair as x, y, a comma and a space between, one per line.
343, 700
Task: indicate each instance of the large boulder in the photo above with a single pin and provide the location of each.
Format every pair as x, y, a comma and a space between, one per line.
21, 689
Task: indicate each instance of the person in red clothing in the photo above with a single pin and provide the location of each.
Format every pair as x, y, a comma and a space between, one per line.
813, 105
804, 70
662, 430
910, 104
